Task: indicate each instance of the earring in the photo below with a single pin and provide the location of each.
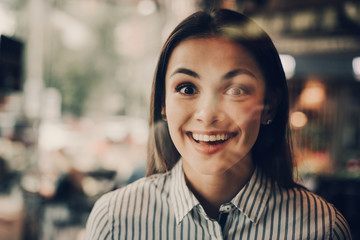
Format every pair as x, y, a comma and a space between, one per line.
268, 122
163, 117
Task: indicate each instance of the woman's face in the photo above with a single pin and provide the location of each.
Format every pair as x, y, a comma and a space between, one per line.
214, 100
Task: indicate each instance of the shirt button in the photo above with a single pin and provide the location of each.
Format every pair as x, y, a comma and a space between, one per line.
226, 208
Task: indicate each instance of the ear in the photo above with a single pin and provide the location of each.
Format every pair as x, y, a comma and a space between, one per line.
266, 116
163, 113
269, 112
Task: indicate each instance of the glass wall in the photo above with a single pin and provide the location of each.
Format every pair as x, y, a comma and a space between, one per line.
74, 95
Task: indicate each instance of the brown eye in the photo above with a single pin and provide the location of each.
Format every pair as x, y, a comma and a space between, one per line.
235, 91
186, 89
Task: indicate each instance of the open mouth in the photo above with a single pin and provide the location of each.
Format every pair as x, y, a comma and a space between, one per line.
212, 139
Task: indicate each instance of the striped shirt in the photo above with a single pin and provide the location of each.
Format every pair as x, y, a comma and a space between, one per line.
162, 207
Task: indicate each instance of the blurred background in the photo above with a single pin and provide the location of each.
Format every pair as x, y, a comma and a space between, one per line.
75, 79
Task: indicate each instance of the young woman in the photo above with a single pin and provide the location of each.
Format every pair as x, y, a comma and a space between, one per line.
220, 164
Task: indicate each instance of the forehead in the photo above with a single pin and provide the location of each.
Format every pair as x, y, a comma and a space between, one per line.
221, 52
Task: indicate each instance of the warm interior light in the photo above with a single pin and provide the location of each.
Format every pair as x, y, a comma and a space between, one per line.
313, 95
289, 65
356, 67
298, 119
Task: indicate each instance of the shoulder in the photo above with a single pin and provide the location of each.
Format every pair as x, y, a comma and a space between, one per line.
144, 190
139, 190
117, 203
312, 209
97, 226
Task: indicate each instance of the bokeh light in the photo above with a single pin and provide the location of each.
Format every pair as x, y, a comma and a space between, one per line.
298, 119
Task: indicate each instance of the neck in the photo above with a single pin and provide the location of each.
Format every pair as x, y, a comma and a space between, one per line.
214, 190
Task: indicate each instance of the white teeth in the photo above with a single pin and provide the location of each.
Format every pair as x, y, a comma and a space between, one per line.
222, 137
210, 138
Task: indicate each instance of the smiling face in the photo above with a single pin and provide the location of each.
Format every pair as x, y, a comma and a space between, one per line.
214, 98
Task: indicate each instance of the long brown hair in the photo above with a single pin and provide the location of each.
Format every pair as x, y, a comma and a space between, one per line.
272, 149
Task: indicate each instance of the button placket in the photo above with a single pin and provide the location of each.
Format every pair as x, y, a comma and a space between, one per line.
226, 208
218, 231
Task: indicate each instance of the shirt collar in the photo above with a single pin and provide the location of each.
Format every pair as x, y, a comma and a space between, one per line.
253, 197
251, 200
182, 199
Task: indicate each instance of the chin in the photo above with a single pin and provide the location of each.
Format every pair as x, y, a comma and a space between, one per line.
210, 166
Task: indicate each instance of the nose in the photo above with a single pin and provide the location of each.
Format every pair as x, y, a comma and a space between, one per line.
209, 110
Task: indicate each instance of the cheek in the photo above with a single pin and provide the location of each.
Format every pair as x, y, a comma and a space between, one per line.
248, 120
250, 114
174, 111
176, 115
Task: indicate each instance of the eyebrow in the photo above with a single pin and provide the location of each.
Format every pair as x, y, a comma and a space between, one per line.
227, 76
186, 71
236, 72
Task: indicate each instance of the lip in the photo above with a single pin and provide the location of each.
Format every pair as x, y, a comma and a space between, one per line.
209, 147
